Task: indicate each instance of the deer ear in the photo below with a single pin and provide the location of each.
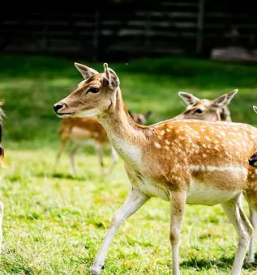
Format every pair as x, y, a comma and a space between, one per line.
224, 99
110, 78
189, 99
255, 109
85, 71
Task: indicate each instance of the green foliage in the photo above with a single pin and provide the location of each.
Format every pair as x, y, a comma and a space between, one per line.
55, 224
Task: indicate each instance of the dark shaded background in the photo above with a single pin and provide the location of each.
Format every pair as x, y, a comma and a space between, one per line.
129, 29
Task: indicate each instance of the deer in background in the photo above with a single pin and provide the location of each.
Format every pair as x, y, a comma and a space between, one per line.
211, 110
2, 158
205, 109
180, 161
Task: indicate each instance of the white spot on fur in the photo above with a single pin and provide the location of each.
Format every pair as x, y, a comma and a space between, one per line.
209, 168
157, 145
162, 132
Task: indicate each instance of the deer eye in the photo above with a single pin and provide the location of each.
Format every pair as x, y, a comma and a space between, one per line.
93, 90
199, 111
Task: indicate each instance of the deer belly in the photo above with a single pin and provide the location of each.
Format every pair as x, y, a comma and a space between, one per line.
153, 190
207, 194
80, 134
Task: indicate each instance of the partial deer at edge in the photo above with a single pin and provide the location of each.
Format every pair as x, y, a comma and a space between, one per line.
2, 160
180, 161
212, 110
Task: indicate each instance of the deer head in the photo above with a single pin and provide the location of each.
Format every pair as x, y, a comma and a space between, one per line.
204, 109
93, 96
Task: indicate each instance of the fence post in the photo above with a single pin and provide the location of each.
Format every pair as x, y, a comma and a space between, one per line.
200, 25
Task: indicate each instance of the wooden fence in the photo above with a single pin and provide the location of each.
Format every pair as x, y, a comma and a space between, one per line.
129, 29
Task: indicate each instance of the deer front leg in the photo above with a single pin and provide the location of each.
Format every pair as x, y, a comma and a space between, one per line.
237, 217
177, 208
253, 219
133, 202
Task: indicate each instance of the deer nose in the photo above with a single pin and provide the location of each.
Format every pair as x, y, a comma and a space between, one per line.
58, 106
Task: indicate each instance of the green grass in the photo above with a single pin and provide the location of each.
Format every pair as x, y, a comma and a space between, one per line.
55, 224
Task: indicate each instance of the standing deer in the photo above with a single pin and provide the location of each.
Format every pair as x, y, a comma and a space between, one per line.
2, 158
84, 130
211, 110
180, 161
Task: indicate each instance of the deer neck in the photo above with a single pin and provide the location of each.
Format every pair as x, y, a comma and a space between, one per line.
124, 134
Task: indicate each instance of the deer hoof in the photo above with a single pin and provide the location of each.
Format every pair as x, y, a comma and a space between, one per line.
96, 270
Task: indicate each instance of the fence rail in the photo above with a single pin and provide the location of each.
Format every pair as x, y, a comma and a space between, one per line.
126, 29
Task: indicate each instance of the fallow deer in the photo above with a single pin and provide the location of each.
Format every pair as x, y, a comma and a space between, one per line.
181, 161
80, 131
212, 110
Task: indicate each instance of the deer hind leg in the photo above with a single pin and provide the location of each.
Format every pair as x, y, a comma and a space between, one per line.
100, 153
72, 158
237, 217
177, 203
62, 147
133, 202
115, 159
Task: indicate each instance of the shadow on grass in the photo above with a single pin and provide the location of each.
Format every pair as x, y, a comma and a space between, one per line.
63, 176
222, 263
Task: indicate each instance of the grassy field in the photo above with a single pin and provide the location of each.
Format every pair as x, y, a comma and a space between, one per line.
55, 223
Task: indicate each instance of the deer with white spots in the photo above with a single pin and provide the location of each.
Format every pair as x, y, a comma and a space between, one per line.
180, 161
212, 110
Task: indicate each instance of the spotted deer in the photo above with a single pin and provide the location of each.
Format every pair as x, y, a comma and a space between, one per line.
2, 164
80, 131
180, 161
211, 110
